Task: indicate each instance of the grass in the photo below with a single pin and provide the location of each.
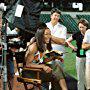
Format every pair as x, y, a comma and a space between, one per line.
70, 62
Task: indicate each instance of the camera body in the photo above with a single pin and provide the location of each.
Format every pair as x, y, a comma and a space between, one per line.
17, 44
14, 41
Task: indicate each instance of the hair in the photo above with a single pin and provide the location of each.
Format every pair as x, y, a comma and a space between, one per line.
40, 40
55, 10
84, 22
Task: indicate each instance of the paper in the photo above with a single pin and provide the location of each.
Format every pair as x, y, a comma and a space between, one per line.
19, 10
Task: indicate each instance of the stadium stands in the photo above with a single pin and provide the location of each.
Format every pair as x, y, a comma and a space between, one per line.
45, 18
69, 22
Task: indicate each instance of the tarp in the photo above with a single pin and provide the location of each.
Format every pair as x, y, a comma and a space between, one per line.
30, 15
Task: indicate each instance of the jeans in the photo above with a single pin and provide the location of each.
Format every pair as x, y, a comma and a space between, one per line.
10, 65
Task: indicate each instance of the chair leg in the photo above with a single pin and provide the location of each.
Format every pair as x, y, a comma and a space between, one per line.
25, 85
40, 88
10, 84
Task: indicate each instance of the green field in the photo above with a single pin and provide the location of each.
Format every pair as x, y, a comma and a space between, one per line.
70, 61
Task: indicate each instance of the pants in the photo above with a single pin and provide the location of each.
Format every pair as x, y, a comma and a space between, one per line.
80, 68
10, 66
87, 73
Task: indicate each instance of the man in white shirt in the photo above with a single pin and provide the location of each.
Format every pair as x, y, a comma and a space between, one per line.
86, 45
58, 31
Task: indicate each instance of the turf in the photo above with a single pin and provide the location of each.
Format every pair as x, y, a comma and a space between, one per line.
70, 61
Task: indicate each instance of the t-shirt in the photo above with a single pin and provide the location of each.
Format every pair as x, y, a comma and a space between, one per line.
87, 40
78, 37
59, 31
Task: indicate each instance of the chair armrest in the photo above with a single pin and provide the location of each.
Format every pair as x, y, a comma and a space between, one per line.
29, 80
32, 69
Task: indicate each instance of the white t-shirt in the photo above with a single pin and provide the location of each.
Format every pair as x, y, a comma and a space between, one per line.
59, 31
87, 40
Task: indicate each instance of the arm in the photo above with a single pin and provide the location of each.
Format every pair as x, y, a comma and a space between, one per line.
57, 40
30, 57
86, 46
68, 41
86, 42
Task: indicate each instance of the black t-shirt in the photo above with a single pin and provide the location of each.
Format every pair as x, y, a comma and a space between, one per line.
79, 38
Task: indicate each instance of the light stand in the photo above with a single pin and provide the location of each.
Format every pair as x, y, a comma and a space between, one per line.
4, 50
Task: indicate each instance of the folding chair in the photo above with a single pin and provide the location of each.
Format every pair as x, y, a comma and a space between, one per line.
26, 80
20, 66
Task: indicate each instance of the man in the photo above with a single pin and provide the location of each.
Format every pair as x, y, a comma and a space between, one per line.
86, 45
10, 65
58, 31
0, 37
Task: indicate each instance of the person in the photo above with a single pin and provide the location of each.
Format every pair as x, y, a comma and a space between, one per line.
80, 53
86, 46
0, 39
10, 64
58, 31
41, 44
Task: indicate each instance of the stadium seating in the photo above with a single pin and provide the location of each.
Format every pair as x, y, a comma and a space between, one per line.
87, 17
45, 18
69, 22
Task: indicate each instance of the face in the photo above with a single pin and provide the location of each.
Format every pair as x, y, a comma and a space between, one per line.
82, 28
55, 17
47, 35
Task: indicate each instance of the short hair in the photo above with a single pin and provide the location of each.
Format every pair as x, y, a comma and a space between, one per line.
55, 10
84, 22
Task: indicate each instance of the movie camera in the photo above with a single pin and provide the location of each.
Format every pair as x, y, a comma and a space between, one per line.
15, 41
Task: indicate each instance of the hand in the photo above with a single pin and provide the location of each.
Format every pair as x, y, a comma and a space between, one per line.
74, 49
47, 69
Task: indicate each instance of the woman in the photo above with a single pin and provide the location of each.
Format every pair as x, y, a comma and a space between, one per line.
52, 72
80, 53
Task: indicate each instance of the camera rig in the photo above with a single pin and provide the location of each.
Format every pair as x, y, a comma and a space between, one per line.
14, 41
